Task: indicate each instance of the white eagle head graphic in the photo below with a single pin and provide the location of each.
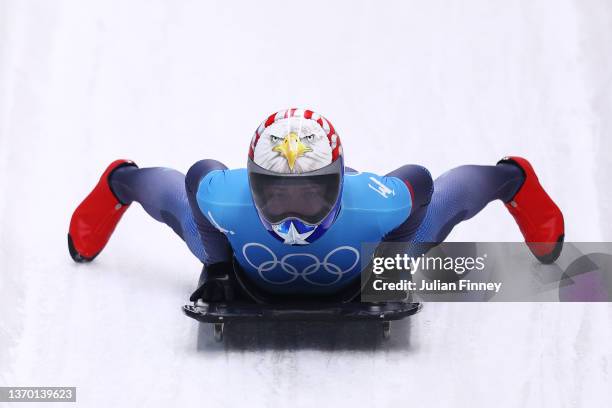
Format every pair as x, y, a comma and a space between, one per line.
293, 145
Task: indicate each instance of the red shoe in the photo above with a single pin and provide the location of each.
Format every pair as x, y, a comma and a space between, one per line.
95, 219
536, 214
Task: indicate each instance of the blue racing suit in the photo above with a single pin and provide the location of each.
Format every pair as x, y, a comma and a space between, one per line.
212, 210
371, 207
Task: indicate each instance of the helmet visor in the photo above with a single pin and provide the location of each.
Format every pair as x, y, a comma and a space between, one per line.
309, 198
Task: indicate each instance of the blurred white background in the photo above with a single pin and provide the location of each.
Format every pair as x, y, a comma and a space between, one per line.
166, 83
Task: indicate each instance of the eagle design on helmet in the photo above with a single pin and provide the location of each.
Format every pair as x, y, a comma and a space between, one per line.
295, 141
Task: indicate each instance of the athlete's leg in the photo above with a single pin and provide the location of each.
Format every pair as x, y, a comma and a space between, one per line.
161, 192
461, 193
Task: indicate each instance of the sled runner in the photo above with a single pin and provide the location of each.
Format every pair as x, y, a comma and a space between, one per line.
220, 313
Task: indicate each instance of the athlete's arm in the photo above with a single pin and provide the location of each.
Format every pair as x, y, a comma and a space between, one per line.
420, 184
215, 242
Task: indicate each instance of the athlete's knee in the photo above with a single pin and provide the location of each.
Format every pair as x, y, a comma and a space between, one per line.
199, 170
419, 181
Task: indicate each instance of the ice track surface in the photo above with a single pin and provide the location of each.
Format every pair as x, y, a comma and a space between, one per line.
438, 83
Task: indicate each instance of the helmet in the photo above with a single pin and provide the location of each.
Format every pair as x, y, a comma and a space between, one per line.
296, 172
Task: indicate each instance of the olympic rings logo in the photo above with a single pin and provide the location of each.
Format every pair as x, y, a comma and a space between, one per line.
292, 271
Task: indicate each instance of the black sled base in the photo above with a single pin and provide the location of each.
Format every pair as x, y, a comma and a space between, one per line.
239, 311
259, 306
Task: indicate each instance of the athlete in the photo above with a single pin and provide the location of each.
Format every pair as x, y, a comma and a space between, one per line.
295, 219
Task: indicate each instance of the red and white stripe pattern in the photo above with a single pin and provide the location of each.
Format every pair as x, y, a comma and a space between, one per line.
334, 139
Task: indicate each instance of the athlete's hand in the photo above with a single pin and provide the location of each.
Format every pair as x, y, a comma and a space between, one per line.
219, 284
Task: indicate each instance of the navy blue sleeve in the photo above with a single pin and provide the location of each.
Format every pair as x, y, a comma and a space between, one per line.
420, 184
